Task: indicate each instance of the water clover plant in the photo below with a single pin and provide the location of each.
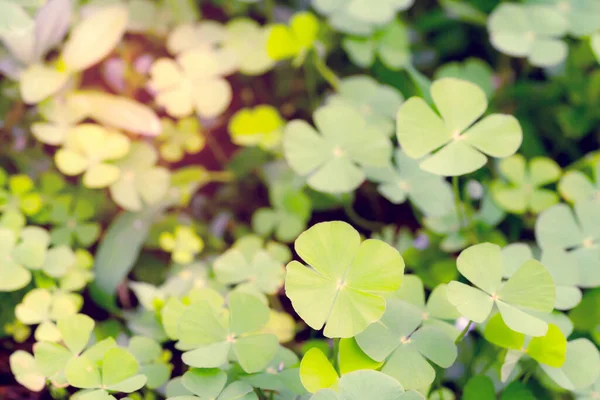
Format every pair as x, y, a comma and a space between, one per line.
575, 186
295, 40
462, 146
73, 221
261, 126
179, 139
340, 278
516, 299
525, 190
183, 244
331, 159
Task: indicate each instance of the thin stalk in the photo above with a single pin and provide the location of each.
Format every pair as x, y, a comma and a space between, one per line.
270, 10
457, 202
221, 176
336, 350
462, 335
216, 148
326, 72
360, 221
528, 375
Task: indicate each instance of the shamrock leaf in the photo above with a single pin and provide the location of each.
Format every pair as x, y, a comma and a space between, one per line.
390, 44
183, 244
260, 126
211, 384
333, 159
21, 196
88, 151
20, 254
576, 232
430, 193
317, 373
26, 371
61, 115
482, 265
148, 354
193, 82
73, 221
400, 338
212, 334
281, 374
579, 14
78, 275
53, 359
524, 190
359, 17
437, 312
116, 371
255, 269
295, 40
575, 186
580, 369
343, 286
377, 103
248, 41
141, 182
550, 349
462, 147
287, 219
42, 307
529, 30
207, 35
589, 393
177, 140
473, 70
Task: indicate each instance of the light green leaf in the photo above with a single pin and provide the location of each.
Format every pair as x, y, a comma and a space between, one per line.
316, 372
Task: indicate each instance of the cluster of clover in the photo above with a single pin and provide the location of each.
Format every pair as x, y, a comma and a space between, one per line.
391, 342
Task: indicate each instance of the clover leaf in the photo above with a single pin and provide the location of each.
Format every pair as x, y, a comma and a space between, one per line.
73, 221
473, 70
575, 186
557, 262
26, 371
589, 393
399, 338
529, 30
281, 374
210, 383
524, 190
183, 244
343, 286
213, 335
149, 355
88, 152
576, 232
61, 115
516, 299
42, 307
550, 349
377, 103
437, 311
181, 138
580, 369
192, 83
579, 14
253, 269
390, 44
462, 145
430, 193
248, 41
332, 160
359, 17
260, 126
288, 217
295, 40
20, 254
54, 359
141, 182
21, 196
204, 35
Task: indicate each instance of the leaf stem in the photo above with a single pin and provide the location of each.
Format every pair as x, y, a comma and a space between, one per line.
326, 72
336, 350
457, 202
462, 335
215, 148
364, 223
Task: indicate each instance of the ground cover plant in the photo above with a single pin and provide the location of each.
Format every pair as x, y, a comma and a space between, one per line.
299, 199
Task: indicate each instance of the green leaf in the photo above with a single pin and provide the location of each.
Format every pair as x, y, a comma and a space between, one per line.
581, 367
347, 281
498, 333
76, 331
205, 382
550, 349
352, 358
479, 388
316, 372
